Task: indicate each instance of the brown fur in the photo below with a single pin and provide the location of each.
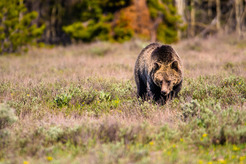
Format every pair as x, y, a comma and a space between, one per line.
158, 73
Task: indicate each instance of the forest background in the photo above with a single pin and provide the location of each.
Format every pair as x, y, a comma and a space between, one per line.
64, 22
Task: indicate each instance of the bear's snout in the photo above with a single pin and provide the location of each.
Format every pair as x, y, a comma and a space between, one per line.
164, 89
164, 93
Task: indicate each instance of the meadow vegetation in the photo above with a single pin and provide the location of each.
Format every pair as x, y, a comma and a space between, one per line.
78, 104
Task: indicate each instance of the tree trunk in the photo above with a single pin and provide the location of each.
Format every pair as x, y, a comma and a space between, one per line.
193, 18
210, 3
238, 17
180, 5
243, 20
218, 14
20, 14
156, 23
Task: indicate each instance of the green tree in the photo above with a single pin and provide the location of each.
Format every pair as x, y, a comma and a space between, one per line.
167, 29
16, 27
95, 21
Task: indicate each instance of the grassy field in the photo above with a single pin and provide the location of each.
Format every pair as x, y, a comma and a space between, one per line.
78, 104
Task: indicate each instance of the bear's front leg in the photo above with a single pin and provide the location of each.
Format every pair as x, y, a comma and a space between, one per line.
150, 94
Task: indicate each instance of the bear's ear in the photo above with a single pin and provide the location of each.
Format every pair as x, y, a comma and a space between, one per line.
175, 66
156, 66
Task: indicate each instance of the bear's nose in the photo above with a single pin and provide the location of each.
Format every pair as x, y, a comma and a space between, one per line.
164, 93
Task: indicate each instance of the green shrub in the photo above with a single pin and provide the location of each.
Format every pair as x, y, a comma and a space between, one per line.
104, 96
93, 31
53, 133
81, 96
229, 90
63, 99
122, 34
208, 123
7, 116
99, 51
16, 27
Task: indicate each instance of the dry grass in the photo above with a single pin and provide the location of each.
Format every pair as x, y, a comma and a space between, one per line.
31, 82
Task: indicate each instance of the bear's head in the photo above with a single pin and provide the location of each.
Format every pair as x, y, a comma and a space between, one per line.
166, 69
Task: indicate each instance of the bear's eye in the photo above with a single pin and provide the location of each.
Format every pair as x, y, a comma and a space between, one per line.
168, 82
156, 66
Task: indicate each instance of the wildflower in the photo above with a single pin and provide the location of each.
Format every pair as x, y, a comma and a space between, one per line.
200, 161
222, 161
49, 158
28, 95
210, 162
25, 162
117, 101
174, 146
11, 94
204, 135
181, 140
235, 148
242, 158
151, 143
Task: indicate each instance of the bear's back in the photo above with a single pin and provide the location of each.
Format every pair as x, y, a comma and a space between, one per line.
144, 58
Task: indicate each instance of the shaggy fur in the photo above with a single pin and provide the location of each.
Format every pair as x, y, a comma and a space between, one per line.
158, 73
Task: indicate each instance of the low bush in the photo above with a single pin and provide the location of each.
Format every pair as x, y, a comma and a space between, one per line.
7, 116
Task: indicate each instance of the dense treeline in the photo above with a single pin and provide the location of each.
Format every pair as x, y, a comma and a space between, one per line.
114, 20
64, 22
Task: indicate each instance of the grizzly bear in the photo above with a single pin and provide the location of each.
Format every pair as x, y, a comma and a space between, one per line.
158, 73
